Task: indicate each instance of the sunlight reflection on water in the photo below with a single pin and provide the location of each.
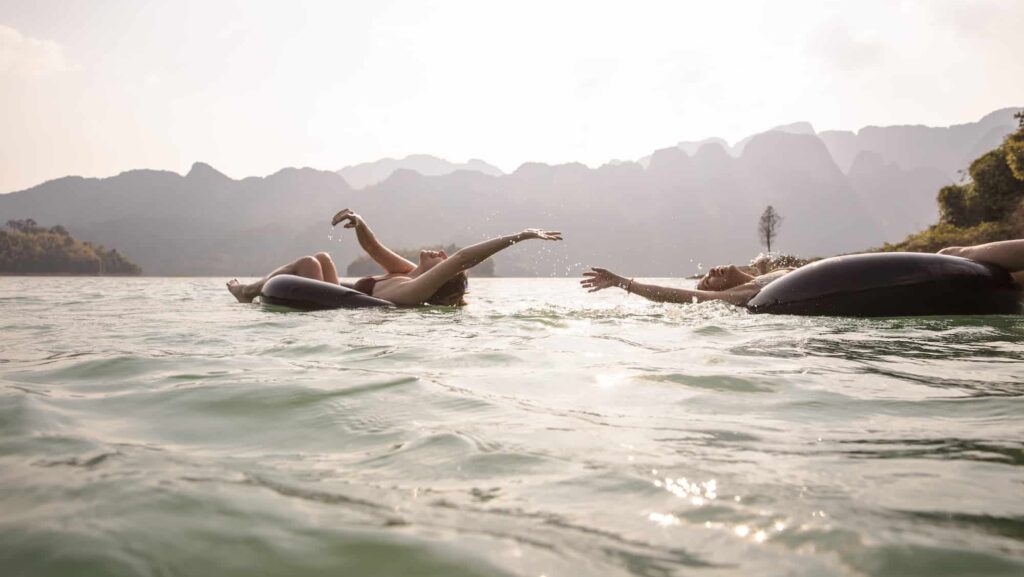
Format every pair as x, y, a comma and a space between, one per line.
539, 430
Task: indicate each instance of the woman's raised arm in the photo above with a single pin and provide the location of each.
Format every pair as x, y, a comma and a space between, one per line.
385, 257
419, 289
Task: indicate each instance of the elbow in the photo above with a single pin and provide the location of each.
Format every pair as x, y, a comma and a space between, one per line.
463, 260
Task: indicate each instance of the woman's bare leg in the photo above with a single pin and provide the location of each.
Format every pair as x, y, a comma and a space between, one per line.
1008, 254
330, 272
306, 266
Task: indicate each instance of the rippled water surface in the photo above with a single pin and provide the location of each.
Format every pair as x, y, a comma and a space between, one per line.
155, 427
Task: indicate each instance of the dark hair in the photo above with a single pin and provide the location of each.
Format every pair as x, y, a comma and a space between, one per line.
450, 293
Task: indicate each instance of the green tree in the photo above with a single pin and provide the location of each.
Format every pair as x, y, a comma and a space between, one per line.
996, 189
1014, 146
953, 207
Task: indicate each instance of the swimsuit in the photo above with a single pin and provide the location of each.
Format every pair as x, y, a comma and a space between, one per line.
365, 285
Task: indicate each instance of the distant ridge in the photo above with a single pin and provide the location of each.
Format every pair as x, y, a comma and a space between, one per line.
691, 205
368, 173
945, 149
948, 149
201, 223
692, 147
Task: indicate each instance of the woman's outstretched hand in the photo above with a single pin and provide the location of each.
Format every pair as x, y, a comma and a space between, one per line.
541, 234
600, 278
353, 219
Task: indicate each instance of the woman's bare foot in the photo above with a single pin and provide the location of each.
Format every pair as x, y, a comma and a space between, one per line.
238, 289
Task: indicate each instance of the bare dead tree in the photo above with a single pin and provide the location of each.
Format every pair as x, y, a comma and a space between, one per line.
768, 228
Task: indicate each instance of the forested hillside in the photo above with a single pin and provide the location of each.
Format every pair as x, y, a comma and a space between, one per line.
987, 207
26, 248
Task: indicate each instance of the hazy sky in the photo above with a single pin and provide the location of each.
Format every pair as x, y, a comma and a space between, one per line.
97, 87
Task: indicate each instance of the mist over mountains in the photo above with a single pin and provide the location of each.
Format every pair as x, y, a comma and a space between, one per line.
694, 203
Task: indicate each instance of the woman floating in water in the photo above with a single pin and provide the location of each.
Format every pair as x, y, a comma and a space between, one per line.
438, 279
721, 283
732, 285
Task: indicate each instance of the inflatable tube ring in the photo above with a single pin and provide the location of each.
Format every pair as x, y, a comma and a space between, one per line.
891, 285
306, 294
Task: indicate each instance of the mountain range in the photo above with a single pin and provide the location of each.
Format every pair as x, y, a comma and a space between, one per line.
682, 208
367, 173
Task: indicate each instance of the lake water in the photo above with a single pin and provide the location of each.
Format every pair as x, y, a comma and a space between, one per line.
156, 427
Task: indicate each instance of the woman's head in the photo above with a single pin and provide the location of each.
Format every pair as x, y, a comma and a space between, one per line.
431, 258
451, 292
721, 278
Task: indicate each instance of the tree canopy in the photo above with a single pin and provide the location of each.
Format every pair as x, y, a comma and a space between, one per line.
1014, 146
27, 248
995, 190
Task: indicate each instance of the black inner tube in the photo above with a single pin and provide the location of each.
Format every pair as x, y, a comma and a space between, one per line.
306, 294
891, 285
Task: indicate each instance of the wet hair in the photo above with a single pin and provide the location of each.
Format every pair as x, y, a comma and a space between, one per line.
451, 292
726, 286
